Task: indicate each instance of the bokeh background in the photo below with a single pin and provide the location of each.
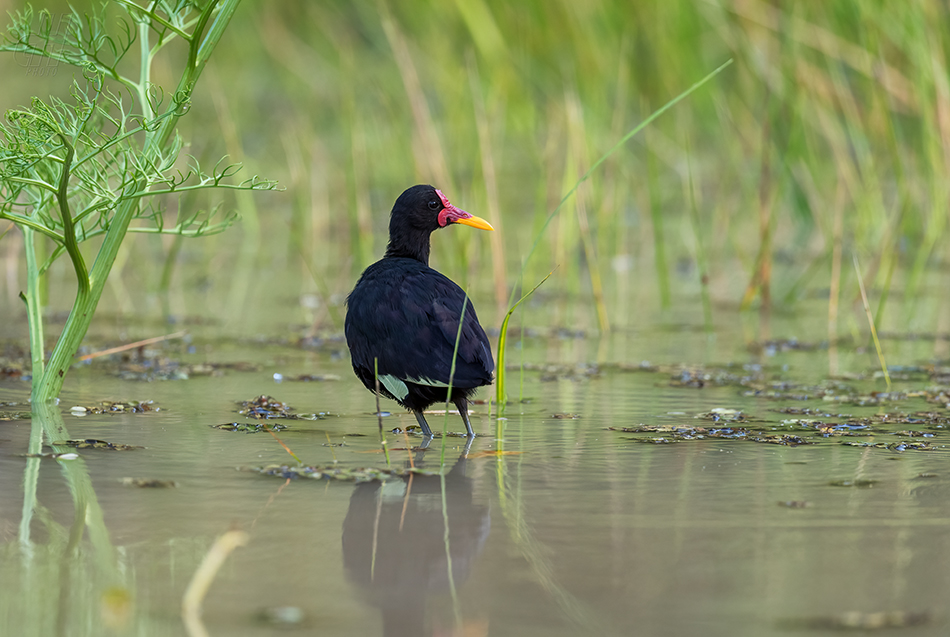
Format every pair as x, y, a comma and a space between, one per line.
827, 138
724, 243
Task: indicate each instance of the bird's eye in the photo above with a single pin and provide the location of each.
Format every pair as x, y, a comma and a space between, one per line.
434, 204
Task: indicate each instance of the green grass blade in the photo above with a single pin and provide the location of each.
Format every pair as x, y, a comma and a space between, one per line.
500, 395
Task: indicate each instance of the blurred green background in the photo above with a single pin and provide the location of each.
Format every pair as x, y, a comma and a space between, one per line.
827, 138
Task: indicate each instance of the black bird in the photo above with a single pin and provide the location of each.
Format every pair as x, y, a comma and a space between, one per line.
405, 316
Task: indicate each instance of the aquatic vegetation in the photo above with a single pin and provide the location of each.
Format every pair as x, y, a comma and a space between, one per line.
86, 168
340, 473
148, 483
250, 428
264, 407
808, 431
90, 443
14, 415
112, 407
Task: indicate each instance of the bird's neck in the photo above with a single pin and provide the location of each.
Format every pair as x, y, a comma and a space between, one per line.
407, 242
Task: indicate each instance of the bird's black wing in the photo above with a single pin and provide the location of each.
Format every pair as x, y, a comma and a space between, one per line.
407, 315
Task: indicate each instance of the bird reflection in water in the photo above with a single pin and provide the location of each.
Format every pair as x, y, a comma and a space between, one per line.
394, 547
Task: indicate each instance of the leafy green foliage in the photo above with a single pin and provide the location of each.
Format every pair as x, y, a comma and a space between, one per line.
91, 146
73, 170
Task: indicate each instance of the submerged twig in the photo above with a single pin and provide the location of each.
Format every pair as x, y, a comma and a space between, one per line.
201, 580
136, 344
281, 443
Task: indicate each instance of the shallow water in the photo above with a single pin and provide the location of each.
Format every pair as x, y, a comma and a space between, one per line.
576, 529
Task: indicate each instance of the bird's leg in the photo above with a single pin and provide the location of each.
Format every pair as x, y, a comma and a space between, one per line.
422, 423
462, 404
426, 441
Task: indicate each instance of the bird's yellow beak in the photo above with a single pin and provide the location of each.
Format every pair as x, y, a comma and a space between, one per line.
475, 222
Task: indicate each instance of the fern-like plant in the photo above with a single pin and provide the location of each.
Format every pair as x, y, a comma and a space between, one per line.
95, 164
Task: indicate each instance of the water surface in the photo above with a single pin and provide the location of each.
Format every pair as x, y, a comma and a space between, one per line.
577, 529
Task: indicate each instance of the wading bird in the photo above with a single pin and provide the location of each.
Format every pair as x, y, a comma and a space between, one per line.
403, 316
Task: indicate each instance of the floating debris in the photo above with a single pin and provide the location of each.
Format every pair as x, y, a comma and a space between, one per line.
774, 346
642, 366
808, 411
696, 377
794, 504
872, 398
90, 443
655, 441
565, 416
682, 432
721, 414
15, 415
69, 455
783, 439
641, 428
148, 483
341, 474
937, 420
11, 373
161, 368
860, 484
311, 378
551, 372
284, 616
265, 407
858, 621
119, 407
250, 428
893, 446
827, 430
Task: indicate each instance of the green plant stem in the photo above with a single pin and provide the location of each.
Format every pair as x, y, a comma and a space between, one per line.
145, 67
870, 315
26, 222
500, 393
69, 230
34, 305
503, 336
49, 384
448, 391
623, 140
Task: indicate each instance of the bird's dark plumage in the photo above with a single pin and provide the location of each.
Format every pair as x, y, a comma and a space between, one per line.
404, 315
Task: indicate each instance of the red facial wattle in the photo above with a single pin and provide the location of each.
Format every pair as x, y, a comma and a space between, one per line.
451, 214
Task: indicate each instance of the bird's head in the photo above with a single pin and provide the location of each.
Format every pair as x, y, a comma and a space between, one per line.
427, 208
